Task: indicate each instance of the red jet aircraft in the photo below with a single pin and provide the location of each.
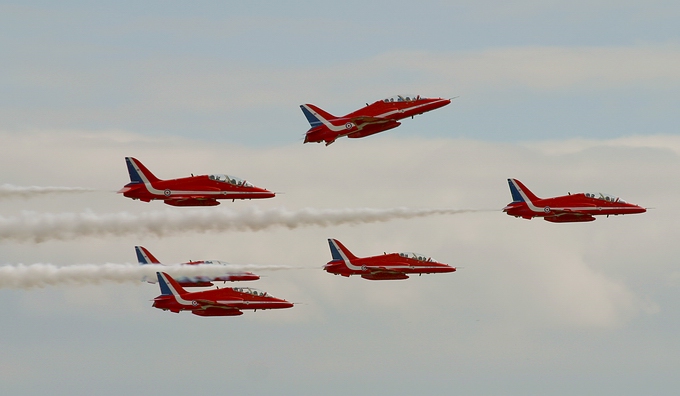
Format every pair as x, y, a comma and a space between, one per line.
202, 190
565, 209
145, 257
386, 267
377, 117
214, 302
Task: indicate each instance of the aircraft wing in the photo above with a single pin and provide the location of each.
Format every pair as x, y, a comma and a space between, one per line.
382, 270
196, 200
195, 279
363, 120
382, 273
569, 216
567, 211
217, 304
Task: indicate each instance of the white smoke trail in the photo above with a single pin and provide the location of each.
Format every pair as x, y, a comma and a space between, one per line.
9, 191
22, 276
40, 227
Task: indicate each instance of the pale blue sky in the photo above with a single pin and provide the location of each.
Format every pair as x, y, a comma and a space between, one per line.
237, 72
565, 96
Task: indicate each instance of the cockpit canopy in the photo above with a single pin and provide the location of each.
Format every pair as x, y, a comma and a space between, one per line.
230, 179
419, 257
402, 98
250, 290
605, 197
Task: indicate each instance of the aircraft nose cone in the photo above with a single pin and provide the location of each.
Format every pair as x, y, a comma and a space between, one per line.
266, 193
440, 103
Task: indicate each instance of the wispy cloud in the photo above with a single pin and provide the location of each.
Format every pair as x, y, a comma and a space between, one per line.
22, 276
8, 191
41, 227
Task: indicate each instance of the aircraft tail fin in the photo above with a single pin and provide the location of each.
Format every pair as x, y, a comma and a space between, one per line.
315, 115
144, 256
519, 191
138, 172
169, 286
339, 251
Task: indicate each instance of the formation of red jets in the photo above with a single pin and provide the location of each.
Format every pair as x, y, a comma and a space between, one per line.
382, 115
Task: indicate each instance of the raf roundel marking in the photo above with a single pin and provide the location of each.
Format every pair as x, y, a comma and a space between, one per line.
568, 208
194, 303
167, 193
349, 125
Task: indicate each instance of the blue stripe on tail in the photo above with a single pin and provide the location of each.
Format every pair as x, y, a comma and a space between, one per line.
140, 256
516, 196
313, 120
334, 251
134, 176
165, 289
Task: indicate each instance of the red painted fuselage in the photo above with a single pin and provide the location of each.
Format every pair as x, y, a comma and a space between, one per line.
204, 190
227, 301
392, 266
144, 257
572, 208
377, 117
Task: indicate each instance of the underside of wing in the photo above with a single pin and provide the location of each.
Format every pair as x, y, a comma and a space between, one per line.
382, 269
193, 201
205, 304
382, 273
216, 311
569, 216
364, 120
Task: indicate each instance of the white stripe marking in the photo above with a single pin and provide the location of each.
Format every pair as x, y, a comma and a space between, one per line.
339, 128
594, 209
150, 188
